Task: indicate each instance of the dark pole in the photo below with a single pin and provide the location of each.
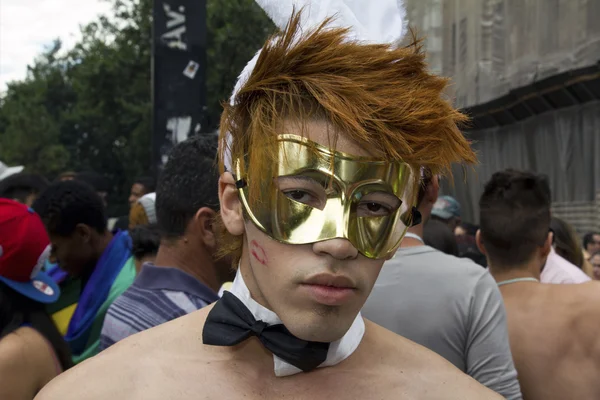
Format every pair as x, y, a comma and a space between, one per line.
178, 74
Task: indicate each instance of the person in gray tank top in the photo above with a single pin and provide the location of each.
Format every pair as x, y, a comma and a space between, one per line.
450, 305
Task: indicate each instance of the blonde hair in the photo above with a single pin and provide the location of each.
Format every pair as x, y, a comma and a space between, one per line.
137, 216
379, 96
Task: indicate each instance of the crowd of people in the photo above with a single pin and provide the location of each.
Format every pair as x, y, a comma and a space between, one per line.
318, 260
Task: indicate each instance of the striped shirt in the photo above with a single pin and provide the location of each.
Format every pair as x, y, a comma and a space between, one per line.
158, 295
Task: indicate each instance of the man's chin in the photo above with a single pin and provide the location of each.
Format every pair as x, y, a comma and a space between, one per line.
323, 329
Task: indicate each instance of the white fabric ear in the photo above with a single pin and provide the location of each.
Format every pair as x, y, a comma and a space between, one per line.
375, 21
371, 21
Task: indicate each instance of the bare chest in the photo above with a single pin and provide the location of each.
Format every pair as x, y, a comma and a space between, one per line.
234, 383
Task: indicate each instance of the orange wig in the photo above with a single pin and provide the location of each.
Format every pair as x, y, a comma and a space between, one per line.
380, 96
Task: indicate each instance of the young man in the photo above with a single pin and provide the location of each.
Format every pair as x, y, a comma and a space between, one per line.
449, 305
185, 275
552, 328
75, 219
322, 146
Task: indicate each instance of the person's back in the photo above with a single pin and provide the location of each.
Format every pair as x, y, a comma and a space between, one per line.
552, 327
451, 306
553, 335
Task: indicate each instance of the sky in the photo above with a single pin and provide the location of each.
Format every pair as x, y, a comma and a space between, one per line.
29, 26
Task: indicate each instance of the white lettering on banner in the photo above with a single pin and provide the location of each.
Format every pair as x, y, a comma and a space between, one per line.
175, 28
180, 128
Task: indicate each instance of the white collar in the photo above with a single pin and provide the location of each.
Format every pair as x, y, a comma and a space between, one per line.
338, 350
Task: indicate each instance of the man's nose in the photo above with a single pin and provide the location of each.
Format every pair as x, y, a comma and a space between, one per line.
340, 249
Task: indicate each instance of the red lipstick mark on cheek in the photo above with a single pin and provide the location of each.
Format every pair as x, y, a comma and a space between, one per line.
258, 252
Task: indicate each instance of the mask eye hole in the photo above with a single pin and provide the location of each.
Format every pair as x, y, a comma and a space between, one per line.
303, 189
377, 204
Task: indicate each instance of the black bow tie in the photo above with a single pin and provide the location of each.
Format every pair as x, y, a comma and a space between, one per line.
230, 322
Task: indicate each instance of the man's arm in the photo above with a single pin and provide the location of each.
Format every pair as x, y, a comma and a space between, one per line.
488, 356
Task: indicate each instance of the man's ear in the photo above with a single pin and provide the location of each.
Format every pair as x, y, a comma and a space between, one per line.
479, 242
203, 225
547, 246
433, 190
231, 206
83, 233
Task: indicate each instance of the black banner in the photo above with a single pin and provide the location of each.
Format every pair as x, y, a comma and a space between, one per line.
178, 73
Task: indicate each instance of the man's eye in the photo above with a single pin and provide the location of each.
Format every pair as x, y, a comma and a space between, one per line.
300, 196
373, 209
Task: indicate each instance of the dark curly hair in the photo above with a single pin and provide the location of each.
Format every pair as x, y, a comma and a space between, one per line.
188, 182
66, 204
22, 185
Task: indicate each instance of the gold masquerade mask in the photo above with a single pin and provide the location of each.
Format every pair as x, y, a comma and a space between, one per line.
318, 194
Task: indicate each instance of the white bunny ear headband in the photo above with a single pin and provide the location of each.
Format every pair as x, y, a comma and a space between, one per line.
369, 21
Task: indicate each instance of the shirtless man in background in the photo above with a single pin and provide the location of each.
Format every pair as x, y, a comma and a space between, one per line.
320, 167
553, 329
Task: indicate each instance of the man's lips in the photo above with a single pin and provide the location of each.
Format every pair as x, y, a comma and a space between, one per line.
336, 281
330, 290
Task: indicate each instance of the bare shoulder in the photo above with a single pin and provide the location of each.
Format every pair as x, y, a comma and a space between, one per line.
25, 362
587, 316
133, 368
430, 375
14, 351
575, 301
111, 374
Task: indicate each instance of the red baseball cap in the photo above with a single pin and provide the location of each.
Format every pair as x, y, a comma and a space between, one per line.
24, 248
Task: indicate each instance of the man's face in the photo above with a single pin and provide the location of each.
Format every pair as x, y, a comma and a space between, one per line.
595, 261
594, 245
72, 253
137, 191
317, 289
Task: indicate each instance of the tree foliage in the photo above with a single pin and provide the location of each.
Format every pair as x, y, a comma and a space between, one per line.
89, 107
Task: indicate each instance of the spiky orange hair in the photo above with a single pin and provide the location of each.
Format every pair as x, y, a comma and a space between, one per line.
379, 96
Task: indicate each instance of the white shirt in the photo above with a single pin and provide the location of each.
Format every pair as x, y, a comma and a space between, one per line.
559, 270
